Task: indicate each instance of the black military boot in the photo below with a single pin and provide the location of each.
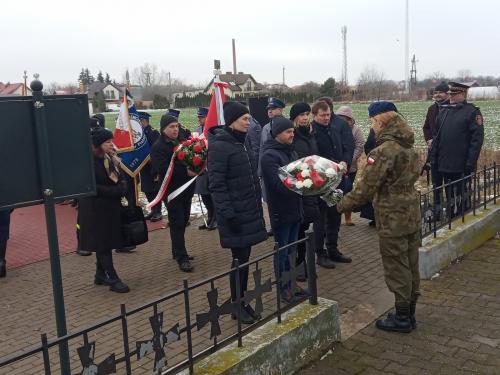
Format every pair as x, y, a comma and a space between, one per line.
115, 284
323, 260
244, 315
101, 278
398, 322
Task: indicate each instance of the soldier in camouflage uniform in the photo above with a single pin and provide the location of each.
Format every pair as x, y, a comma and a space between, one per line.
388, 179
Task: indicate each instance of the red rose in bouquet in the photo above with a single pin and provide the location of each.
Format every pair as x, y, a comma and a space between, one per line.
192, 153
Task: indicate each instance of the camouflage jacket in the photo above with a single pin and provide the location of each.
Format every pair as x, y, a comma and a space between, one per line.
388, 180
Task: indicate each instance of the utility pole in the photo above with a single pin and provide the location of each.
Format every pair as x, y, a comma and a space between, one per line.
25, 88
344, 55
283, 76
407, 49
413, 75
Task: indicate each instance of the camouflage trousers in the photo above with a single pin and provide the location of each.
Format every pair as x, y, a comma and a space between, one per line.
400, 260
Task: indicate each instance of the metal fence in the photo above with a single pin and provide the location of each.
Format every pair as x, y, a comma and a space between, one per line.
440, 206
154, 350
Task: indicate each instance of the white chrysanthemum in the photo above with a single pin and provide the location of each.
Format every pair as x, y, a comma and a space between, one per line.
299, 184
303, 166
290, 167
307, 183
330, 172
305, 173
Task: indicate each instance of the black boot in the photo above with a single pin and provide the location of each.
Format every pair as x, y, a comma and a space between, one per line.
244, 316
252, 312
212, 224
398, 322
115, 284
323, 260
338, 257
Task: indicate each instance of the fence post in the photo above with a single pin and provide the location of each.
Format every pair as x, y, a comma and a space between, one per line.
126, 349
462, 198
494, 182
45, 351
188, 327
474, 193
278, 281
236, 264
484, 186
311, 267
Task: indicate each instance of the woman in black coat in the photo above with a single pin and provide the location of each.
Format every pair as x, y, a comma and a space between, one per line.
305, 144
235, 188
99, 216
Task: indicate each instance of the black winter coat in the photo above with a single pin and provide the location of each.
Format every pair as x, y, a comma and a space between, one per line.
161, 154
335, 141
285, 206
147, 181
305, 145
430, 125
458, 143
100, 216
235, 190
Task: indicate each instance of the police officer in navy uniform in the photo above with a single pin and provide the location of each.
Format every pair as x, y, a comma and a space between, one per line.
457, 144
274, 108
147, 184
202, 180
184, 132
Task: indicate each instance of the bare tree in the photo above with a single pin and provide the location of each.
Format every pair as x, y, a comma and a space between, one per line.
149, 75
464, 75
370, 83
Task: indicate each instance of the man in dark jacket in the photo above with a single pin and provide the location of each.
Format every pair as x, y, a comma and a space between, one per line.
178, 208
285, 206
457, 145
235, 188
147, 184
304, 143
335, 142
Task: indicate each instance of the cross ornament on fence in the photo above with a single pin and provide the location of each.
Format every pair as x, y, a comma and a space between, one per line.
213, 313
291, 275
87, 355
157, 343
258, 291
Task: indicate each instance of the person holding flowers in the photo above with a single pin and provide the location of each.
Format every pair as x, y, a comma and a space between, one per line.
305, 144
388, 179
285, 206
235, 188
179, 208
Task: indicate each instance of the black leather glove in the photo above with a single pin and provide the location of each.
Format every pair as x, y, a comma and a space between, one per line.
234, 225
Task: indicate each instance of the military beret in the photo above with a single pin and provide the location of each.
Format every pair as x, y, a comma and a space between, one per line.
376, 108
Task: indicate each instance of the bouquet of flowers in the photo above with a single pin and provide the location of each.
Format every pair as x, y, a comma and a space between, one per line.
192, 153
313, 175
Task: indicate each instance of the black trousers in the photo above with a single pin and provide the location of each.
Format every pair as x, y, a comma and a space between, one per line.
152, 195
209, 205
453, 192
327, 226
104, 264
301, 247
243, 255
179, 210
3, 249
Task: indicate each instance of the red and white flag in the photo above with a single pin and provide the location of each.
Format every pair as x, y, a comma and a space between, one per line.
215, 116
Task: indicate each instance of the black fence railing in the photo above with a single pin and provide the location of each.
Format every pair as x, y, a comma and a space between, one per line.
440, 206
154, 349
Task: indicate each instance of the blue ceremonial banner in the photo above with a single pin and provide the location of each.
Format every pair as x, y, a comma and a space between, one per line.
128, 127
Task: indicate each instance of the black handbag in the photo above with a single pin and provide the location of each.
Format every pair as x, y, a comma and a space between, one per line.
134, 228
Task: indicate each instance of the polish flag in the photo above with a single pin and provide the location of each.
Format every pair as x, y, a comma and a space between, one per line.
215, 116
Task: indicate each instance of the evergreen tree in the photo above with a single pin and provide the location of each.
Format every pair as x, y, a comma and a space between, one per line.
329, 88
100, 77
107, 79
99, 102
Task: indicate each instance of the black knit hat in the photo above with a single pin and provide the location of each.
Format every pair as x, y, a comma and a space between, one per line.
233, 111
299, 108
280, 124
443, 87
101, 135
167, 120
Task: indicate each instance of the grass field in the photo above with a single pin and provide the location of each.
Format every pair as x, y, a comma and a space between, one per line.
413, 111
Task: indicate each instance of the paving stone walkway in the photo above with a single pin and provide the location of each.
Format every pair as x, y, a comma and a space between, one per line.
458, 328
26, 308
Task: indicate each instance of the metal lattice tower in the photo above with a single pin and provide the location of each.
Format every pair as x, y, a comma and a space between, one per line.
344, 55
413, 74
407, 49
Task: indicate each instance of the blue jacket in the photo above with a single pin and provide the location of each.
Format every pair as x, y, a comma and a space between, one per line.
285, 206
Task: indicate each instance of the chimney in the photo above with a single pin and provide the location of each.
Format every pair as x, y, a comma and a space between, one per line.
234, 57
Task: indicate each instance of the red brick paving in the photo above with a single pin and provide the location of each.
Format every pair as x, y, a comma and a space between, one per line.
28, 234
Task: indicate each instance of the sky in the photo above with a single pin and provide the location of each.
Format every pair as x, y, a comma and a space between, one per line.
57, 38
